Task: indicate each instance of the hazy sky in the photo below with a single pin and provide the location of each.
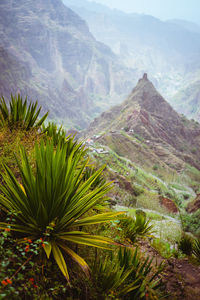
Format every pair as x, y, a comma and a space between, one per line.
163, 9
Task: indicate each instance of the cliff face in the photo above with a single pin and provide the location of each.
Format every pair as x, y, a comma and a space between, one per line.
168, 50
66, 68
145, 117
187, 101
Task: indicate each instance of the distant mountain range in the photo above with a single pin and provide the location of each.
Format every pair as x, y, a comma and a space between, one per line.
168, 51
187, 100
48, 53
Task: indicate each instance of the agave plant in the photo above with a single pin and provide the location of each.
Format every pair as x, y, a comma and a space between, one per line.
58, 135
134, 227
53, 201
19, 115
128, 276
196, 249
186, 244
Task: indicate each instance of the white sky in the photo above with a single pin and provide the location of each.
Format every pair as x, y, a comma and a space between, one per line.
163, 9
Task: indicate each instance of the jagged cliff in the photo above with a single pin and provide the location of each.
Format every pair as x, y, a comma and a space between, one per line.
48, 53
147, 130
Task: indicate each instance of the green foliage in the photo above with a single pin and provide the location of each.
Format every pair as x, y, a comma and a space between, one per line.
24, 277
136, 226
88, 172
155, 167
127, 275
19, 115
196, 249
138, 190
164, 248
186, 244
58, 135
53, 201
191, 222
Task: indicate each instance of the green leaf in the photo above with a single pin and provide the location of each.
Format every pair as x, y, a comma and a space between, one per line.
60, 260
77, 258
48, 248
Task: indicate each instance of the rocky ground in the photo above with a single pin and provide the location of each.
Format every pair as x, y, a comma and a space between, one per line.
180, 276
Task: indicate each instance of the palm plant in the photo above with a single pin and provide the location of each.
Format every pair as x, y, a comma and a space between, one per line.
89, 171
134, 227
58, 135
186, 244
18, 115
53, 201
196, 249
125, 275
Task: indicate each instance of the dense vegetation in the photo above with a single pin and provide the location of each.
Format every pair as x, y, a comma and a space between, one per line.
55, 218
49, 193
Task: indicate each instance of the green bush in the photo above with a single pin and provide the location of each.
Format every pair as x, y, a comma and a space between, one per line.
127, 275
53, 201
186, 244
138, 190
18, 115
58, 135
135, 227
196, 249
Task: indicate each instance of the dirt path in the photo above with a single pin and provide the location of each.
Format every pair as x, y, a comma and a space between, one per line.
181, 278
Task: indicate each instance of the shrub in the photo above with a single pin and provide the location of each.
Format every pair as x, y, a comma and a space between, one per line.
134, 227
53, 201
18, 115
196, 249
185, 244
138, 190
127, 275
155, 167
58, 135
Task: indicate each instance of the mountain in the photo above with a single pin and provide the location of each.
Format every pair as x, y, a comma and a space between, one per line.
168, 51
190, 96
151, 155
148, 131
48, 53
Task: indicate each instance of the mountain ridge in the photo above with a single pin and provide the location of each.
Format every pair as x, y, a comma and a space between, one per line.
146, 115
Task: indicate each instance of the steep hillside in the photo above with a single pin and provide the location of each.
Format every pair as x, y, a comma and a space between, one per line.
168, 51
152, 156
48, 53
190, 97
147, 130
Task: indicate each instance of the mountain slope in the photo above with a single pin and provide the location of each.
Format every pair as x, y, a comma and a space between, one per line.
147, 130
67, 70
168, 51
190, 96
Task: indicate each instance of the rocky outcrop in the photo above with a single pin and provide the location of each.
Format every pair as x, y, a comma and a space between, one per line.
169, 205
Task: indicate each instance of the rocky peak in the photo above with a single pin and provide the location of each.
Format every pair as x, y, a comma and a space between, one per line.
147, 114
148, 98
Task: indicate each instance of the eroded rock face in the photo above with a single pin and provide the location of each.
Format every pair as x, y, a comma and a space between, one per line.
68, 70
169, 205
146, 115
194, 205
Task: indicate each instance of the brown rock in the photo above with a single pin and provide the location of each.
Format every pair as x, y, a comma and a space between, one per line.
169, 204
194, 205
